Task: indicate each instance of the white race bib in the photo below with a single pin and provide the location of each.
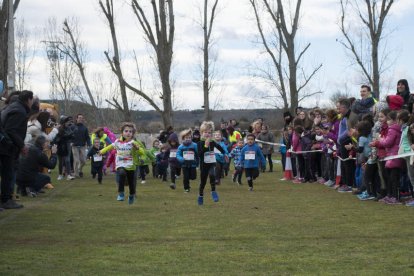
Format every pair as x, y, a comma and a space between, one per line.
250, 155
173, 154
209, 157
188, 155
97, 158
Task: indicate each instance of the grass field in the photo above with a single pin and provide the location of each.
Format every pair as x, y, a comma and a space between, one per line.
279, 229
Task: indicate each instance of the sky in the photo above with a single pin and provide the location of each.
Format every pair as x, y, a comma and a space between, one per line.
238, 54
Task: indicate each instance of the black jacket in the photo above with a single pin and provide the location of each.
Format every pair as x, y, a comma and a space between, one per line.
62, 140
31, 164
14, 125
81, 136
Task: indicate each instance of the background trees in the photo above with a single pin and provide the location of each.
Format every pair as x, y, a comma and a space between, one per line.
362, 25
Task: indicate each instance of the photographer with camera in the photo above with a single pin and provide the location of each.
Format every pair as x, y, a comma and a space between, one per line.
29, 179
63, 140
38, 124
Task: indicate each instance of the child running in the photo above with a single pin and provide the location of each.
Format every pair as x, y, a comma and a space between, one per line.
238, 168
97, 162
126, 149
187, 155
208, 160
251, 154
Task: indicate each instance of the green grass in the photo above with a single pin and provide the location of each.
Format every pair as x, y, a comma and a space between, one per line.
279, 229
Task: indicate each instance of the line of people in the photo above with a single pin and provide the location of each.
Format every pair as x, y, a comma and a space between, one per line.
361, 141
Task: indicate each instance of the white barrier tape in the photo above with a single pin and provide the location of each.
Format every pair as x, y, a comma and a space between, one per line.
305, 151
268, 143
408, 154
346, 159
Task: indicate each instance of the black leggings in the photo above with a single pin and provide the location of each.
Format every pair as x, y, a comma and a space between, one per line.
269, 159
393, 183
207, 170
124, 176
189, 173
251, 174
174, 171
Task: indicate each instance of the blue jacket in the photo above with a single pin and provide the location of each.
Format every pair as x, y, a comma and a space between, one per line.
258, 156
219, 155
236, 155
190, 148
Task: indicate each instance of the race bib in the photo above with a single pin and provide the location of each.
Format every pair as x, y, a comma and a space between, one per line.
173, 154
250, 155
97, 158
209, 157
188, 155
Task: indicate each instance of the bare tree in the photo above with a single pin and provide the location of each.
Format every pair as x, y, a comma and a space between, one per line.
115, 63
372, 15
4, 7
208, 20
161, 38
281, 46
63, 72
76, 51
24, 54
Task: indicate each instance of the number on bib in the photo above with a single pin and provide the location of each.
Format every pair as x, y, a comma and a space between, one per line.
250, 155
209, 157
188, 155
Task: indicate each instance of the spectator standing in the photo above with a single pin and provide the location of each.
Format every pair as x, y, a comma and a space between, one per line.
80, 141
14, 127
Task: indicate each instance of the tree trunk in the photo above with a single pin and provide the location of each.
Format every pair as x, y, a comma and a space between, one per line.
375, 69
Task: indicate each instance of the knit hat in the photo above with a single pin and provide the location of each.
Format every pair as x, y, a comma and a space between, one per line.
395, 102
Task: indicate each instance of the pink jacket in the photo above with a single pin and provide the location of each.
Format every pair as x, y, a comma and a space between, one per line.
391, 144
296, 145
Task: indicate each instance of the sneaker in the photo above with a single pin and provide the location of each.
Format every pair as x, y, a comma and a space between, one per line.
384, 199
250, 189
239, 183
234, 178
11, 204
215, 196
365, 196
283, 179
30, 192
321, 181
186, 191
404, 195
70, 177
329, 183
121, 197
393, 201
143, 182
80, 174
200, 200
131, 199
172, 186
297, 181
345, 189
410, 203
60, 177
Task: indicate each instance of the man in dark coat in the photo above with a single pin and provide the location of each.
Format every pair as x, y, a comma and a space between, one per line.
13, 126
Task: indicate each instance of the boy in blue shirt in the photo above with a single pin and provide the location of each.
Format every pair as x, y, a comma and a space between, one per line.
250, 157
187, 155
